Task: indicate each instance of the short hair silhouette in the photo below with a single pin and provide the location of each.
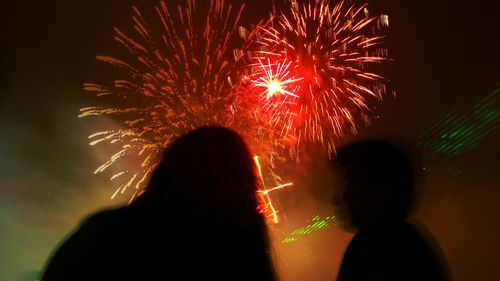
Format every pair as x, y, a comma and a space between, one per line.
197, 220
381, 178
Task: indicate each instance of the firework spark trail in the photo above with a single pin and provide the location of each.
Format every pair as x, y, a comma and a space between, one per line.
175, 81
265, 199
309, 67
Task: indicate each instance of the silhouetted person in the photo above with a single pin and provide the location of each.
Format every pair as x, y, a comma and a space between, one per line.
197, 220
376, 201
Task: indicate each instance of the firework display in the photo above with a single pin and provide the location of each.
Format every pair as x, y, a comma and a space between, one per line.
301, 77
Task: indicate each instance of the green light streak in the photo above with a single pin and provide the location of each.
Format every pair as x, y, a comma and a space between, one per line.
315, 224
460, 130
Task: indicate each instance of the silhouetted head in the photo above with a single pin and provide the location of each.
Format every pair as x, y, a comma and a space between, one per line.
379, 183
206, 173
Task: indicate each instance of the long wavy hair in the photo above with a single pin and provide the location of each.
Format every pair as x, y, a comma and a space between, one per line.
204, 191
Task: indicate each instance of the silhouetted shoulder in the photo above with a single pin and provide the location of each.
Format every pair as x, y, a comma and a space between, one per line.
90, 253
396, 251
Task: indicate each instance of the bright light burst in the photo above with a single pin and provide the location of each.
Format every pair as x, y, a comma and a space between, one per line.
312, 62
276, 80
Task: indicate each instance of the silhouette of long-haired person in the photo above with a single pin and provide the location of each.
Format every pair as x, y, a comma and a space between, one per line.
197, 220
379, 186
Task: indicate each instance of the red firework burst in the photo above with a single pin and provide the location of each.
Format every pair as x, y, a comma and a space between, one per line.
312, 63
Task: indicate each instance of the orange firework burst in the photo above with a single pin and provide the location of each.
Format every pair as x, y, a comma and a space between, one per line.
312, 63
176, 80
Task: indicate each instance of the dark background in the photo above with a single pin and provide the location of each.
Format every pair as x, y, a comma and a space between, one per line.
446, 56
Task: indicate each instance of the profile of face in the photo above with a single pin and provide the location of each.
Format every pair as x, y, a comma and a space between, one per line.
377, 185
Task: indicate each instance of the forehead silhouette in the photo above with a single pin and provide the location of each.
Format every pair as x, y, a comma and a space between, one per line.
375, 157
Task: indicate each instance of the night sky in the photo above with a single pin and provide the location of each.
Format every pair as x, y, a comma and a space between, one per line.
446, 59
